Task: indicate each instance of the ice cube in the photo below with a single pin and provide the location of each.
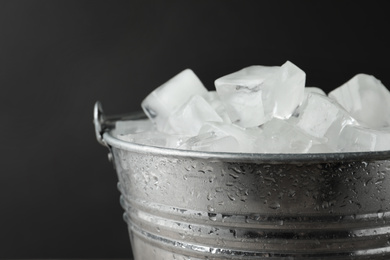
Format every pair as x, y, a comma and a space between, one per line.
284, 91
279, 136
160, 103
321, 148
154, 138
241, 94
322, 117
307, 91
244, 137
189, 118
214, 100
313, 90
211, 142
366, 99
360, 138
256, 94
133, 126
262, 109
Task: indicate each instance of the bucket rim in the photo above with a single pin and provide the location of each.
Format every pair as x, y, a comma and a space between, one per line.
273, 158
105, 126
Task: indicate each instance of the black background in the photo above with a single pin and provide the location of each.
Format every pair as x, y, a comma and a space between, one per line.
58, 195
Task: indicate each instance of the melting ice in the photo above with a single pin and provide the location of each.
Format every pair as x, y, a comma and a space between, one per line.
264, 109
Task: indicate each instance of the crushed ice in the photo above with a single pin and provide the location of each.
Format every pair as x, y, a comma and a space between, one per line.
264, 109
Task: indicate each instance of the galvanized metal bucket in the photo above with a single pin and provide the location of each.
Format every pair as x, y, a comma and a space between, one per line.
205, 205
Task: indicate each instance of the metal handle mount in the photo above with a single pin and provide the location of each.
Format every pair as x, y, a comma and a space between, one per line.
101, 125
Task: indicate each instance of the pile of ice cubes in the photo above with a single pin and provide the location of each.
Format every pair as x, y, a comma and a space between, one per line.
265, 109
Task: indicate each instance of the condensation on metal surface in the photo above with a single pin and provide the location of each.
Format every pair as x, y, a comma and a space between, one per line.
194, 208
195, 205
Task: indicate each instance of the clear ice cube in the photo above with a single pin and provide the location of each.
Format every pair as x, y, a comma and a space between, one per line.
284, 91
256, 94
214, 100
309, 90
211, 142
322, 117
241, 94
279, 136
321, 148
154, 138
189, 118
366, 99
360, 138
133, 126
160, 103
244, 137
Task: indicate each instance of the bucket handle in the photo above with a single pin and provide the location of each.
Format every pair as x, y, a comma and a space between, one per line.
102, 124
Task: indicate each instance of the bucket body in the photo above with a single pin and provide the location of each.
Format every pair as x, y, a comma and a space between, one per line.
194, 205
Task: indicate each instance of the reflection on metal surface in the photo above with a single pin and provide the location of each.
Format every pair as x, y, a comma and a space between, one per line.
194, 205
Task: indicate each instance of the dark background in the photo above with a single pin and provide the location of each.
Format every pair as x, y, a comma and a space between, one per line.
58, 195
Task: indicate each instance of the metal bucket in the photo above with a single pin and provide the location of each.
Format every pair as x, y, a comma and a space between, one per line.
202, 205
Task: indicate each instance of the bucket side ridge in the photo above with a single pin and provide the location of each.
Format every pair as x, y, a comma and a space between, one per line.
200, 209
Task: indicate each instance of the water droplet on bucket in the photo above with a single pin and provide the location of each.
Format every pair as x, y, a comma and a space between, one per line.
218, 189
210, 208
231, 197
270, 179
291, 193
235, 176
212, 216
379, 181
274, 205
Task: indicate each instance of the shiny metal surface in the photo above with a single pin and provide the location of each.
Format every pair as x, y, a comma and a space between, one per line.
194, 205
